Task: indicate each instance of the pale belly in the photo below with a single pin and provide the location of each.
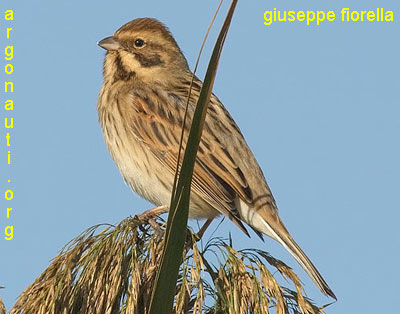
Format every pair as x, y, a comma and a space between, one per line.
147, 176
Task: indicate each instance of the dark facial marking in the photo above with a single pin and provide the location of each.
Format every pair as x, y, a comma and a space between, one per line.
121, 73
148, 61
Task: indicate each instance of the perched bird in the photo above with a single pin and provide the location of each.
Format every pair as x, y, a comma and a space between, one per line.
141, 109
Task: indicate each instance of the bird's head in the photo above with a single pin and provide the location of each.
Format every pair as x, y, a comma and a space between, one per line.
143, 49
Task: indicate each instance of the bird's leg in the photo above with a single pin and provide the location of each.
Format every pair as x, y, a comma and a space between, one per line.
203, 229
153, 212
190, 240
149, 215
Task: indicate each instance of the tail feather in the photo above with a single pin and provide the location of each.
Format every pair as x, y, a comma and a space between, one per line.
307, 265
294, 249
267, 221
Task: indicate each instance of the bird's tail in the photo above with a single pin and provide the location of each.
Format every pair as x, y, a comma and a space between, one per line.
281, 234
267, 221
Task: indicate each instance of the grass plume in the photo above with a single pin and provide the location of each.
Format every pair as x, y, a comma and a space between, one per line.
112, 269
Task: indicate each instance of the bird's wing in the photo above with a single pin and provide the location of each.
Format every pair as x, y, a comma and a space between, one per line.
216, 178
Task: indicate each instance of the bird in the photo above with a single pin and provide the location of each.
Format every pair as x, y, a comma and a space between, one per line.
141, 108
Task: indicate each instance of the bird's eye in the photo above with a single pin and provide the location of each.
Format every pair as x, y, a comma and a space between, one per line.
139, 43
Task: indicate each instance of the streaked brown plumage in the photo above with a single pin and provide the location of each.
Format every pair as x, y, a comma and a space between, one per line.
141, 108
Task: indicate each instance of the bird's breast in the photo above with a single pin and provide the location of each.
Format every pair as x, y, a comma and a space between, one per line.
138, 166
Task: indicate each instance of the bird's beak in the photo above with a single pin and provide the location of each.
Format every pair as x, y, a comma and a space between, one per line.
109, 43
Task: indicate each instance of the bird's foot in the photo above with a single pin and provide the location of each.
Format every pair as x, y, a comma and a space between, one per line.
152, 213
149, 216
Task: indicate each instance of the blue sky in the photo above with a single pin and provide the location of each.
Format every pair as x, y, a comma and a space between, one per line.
318, 105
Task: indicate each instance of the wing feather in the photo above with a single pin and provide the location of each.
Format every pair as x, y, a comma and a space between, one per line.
217, 178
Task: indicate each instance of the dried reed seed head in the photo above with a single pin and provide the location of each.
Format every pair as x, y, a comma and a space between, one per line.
113, 271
